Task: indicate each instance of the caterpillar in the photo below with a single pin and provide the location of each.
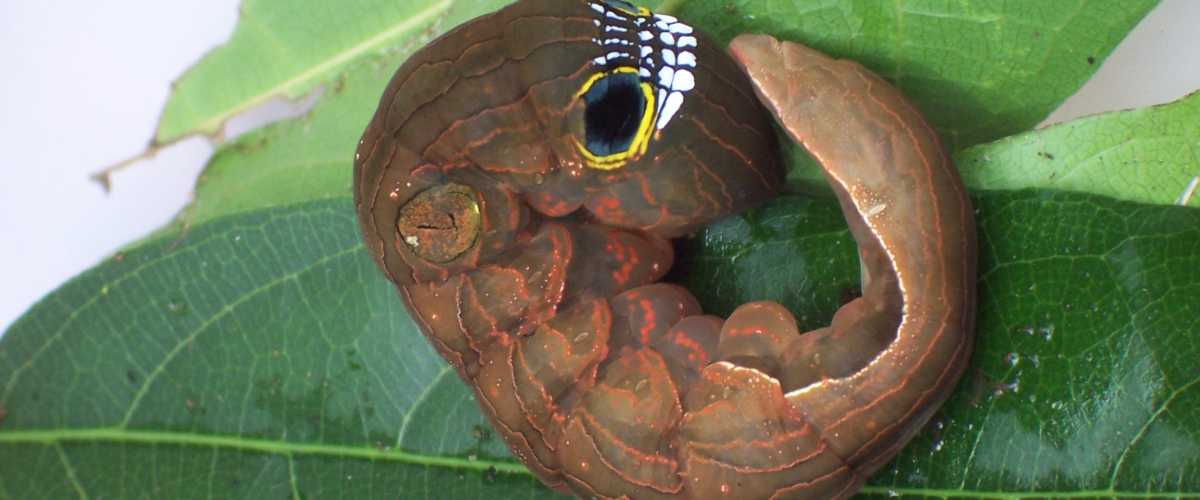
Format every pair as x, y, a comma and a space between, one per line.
520, 183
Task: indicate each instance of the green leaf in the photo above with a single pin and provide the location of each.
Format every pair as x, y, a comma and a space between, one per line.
288, 49
980, 70
264, 352
1149, 155
259, 355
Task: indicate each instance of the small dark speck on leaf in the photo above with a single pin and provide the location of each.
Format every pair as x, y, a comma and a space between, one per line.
132, 376
481, 433
1091, 60
489, 475
1045, 155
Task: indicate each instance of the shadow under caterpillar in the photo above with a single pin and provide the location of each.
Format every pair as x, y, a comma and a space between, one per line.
521, 179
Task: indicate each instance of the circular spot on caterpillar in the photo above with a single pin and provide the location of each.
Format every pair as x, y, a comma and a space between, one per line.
440, 223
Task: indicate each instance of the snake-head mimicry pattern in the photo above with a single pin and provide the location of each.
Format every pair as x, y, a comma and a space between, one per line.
519, 182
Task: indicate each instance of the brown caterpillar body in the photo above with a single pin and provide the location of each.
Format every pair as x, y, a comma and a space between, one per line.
519, 183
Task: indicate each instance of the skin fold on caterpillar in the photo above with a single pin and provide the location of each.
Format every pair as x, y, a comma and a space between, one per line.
519, 184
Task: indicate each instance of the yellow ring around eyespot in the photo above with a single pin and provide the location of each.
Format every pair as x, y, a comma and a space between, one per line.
641, 11
640, 141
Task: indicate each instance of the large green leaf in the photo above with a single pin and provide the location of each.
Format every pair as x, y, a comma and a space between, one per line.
262, 355
982, 88
263, 352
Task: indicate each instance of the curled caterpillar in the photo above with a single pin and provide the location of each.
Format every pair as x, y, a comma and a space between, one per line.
521, 179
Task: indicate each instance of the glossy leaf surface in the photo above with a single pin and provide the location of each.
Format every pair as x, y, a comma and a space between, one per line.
264, 353
260, 355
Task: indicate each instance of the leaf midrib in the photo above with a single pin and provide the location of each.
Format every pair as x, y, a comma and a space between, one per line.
57, 437
151, 437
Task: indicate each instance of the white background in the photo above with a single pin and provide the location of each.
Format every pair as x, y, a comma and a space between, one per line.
82, 84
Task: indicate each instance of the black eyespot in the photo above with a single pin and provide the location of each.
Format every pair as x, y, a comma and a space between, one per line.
614, 108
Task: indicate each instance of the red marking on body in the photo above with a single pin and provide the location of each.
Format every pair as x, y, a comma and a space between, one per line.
649, 321
696, 350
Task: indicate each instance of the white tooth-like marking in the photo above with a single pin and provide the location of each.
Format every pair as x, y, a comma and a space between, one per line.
596, 22
645, 35
686, 41
615, 41
667, 38
687, 59
683, 81
600, 60
668, 57
649, 61
647, 50
614, 54
664, 17
613, 28
674, 102
643, 72
597, 7
681, 29
665, 75
662, 25
612, 15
